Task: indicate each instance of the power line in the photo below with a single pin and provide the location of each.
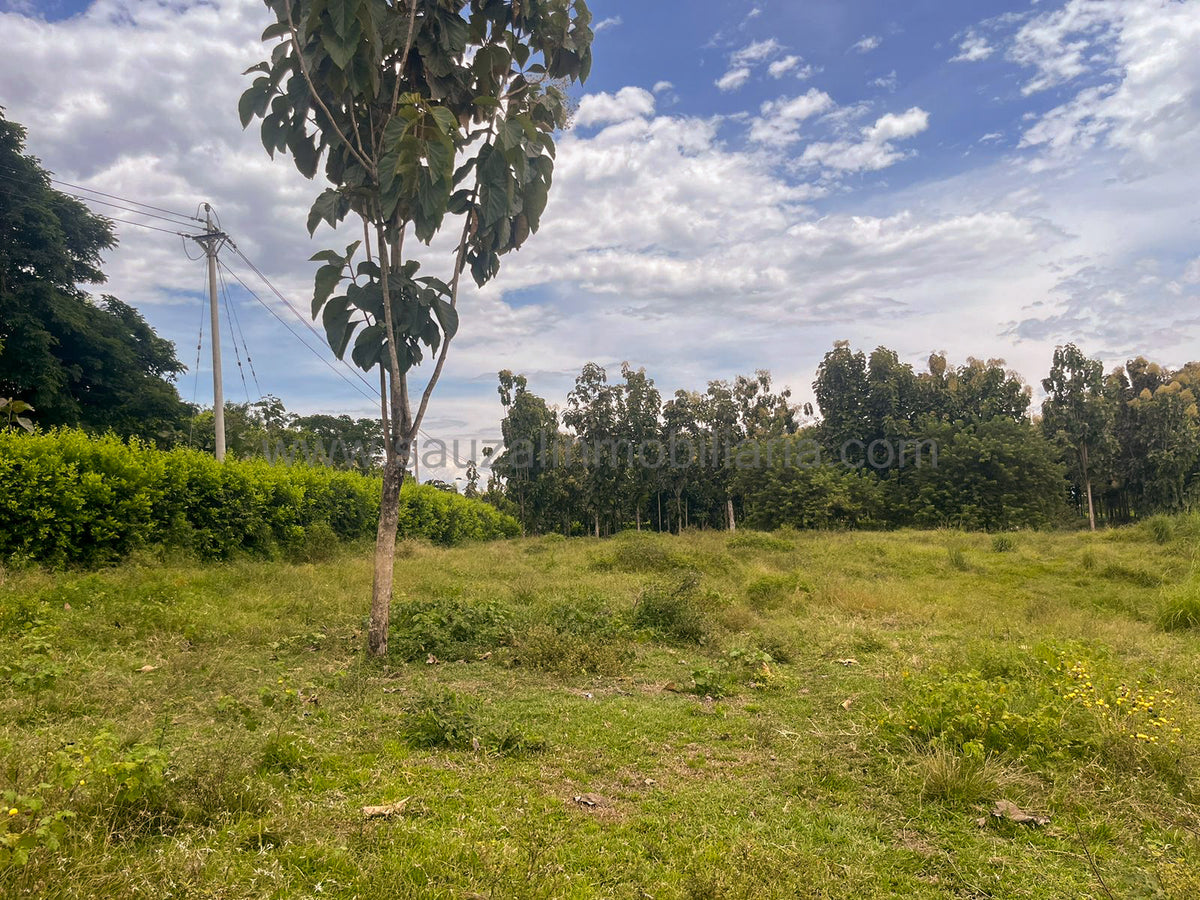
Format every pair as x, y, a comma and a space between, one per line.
80, 187
144, 225
307, 323
15, 180
233, 336
196, 377
292, 331
299, 315
129, 209
231, 309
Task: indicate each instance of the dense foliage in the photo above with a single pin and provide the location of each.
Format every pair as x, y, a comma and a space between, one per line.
67, 498
892, 446
74, 359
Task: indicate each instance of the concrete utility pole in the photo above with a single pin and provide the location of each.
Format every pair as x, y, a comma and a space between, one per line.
212, 241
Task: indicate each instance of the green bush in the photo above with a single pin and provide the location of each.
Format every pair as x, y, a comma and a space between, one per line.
448, 628
634, 551
67, 498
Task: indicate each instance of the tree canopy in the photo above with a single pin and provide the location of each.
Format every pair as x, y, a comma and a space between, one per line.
75, 359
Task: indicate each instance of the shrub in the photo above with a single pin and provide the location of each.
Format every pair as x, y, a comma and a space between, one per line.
448, 628
672, 612
1019, 717
643, 552
1180, 606
445, 720
68, 498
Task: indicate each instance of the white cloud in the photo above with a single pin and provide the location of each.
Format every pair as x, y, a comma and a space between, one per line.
868, 43
1146, 103
755, 52
610, 22
873, 149
666, 243
779, 122
660, 86
887, 82
781, 67
733, 79
974, 48
603, 109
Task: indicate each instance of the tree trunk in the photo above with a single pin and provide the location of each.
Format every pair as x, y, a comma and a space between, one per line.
385, 556
639, 516
729, 514
596, 516
1087, 480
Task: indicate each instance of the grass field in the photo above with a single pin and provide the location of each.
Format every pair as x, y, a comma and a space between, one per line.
786, 715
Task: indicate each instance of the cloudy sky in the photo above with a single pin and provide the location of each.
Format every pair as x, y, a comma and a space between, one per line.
747, 181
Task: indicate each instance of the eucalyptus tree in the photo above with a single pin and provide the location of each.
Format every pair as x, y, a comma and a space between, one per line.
594, 413
419, 114
1077, 413
640, 411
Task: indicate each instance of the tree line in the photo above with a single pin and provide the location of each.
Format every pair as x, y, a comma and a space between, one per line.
1103, 447
891, 446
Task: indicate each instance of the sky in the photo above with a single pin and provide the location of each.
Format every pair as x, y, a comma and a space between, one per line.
746, 182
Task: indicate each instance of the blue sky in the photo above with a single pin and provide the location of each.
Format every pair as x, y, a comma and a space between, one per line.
746, 183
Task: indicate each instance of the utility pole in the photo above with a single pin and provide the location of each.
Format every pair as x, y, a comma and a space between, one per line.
212, 241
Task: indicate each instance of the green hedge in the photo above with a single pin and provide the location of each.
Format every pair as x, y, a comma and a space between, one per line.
69, 498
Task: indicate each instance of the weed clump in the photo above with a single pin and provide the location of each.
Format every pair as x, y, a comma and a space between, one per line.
957, 778
673, 612
1161, 529
448, 721
445, 721
957, 558
449, 628
769, 590
549, 649
1003, 543
636, 552
1130, 574
1180, 607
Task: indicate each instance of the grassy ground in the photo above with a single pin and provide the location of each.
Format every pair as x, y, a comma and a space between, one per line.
789, 715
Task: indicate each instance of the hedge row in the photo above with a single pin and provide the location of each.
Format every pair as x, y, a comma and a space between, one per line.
69, 498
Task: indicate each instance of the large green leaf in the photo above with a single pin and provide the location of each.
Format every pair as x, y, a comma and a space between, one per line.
368, 347
338, 327
447, 316
330, 206
327, 280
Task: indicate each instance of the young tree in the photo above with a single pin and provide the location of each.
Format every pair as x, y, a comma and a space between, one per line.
1076, 412
419, 110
